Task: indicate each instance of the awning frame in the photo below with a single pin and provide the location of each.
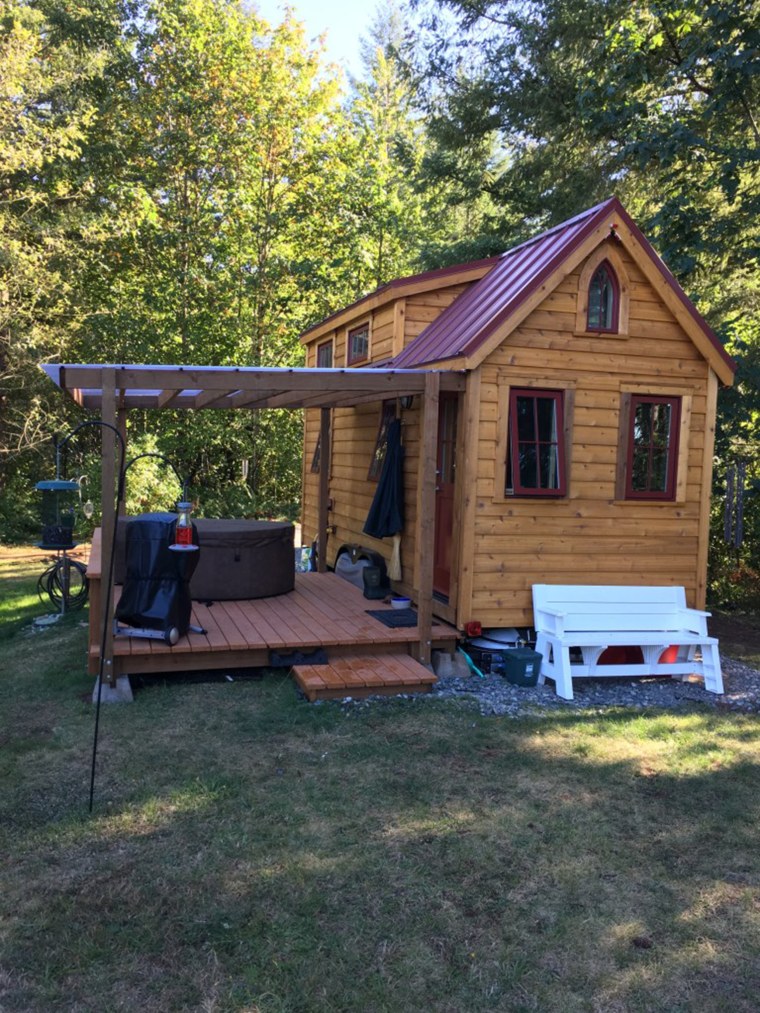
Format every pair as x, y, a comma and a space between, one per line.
114, 389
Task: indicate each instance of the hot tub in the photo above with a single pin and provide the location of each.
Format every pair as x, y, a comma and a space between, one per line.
243, 559
238, 559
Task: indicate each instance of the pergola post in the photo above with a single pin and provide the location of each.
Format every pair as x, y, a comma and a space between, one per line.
425, 535
108, 516
324, 488
121, 425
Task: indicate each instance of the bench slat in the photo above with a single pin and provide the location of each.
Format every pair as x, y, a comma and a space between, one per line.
639, 621
550, 594
633, 638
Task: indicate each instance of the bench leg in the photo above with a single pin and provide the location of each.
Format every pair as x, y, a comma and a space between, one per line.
558, 668
711, 668
563, 680
542, 647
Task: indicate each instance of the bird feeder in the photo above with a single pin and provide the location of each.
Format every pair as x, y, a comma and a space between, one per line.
183, 529
58, 513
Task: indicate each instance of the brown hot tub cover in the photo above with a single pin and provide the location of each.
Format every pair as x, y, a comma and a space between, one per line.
243, 559
238, 559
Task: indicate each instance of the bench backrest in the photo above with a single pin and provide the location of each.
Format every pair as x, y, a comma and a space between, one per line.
606, 608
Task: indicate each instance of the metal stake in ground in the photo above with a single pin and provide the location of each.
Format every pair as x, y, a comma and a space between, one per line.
109, 581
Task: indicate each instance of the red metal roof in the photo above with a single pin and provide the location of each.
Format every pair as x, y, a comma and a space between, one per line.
472, 318
390, 287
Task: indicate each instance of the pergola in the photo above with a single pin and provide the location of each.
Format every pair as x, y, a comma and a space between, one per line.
112, 390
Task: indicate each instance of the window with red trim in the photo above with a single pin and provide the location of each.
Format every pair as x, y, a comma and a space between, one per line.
652, 447
603, 300
325, 355
358, 345
535, 444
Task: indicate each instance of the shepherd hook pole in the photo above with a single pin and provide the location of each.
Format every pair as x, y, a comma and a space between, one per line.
109, 581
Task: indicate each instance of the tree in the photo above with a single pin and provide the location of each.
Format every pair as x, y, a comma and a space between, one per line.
217, 209
656, 101
389, 217
52, 73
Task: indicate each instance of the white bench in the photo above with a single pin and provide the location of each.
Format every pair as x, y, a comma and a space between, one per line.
592, 619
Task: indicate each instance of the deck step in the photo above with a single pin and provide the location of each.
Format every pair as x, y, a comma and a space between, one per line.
359, 675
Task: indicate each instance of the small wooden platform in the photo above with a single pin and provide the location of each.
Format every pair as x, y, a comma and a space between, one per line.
323, 612
360, 675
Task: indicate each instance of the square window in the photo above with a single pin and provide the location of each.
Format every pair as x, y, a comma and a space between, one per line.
325, 355
535, 444
652, 447
358, 345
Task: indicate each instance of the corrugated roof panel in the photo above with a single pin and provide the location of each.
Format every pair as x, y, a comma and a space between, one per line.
471, 318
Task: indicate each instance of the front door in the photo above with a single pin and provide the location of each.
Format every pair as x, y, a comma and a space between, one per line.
444, 493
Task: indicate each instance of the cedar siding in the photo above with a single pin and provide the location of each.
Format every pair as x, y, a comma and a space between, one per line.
354, 430
504, 544
590, 536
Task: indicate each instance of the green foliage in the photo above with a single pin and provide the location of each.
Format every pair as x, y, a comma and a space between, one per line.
181, 182
657, 102
50, 75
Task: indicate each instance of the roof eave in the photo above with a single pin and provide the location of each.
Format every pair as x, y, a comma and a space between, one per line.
443, 277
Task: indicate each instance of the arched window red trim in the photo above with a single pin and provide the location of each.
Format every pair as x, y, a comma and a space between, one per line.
603, 313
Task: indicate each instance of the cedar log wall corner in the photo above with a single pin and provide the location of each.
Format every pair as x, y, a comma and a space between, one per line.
520, 321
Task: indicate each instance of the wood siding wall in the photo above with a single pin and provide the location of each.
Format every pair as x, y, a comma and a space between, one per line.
590, 536
507, 543
355, 433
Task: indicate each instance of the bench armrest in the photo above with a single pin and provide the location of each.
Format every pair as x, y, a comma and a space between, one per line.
552, 612
549, 620
695, 620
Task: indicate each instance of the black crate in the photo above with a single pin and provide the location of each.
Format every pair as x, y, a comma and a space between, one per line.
488, 660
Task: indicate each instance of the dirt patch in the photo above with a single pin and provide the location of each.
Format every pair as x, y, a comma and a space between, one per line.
739, 633
28, 553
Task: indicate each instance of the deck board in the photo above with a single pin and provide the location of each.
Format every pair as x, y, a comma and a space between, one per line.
249, 635
323, 611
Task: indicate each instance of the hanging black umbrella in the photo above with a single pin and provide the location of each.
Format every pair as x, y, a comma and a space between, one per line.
386, 515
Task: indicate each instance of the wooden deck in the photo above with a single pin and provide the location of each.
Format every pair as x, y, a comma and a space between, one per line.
323, 612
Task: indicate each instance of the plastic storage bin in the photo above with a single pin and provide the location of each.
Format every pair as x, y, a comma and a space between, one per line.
521, 666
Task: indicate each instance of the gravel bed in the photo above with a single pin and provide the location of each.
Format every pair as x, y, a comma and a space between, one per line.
494, 695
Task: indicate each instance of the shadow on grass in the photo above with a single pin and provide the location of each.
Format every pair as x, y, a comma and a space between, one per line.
250, 852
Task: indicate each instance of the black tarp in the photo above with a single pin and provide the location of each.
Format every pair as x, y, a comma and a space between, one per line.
156, 593
386, 515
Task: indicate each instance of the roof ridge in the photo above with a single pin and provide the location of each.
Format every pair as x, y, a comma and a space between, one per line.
608, 203
464, 326
406, 279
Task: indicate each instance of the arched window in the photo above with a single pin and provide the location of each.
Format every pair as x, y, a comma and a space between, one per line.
603, 300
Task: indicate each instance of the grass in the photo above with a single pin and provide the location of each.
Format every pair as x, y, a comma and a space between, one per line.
19, 602
250, 852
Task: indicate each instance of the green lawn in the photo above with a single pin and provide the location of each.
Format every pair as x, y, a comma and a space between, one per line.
251, 852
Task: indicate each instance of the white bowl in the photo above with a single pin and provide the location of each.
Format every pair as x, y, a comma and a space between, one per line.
401, 603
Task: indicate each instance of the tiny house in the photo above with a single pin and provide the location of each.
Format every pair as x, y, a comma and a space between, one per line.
580, 449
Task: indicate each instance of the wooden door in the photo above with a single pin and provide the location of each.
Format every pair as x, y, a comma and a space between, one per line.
444, 493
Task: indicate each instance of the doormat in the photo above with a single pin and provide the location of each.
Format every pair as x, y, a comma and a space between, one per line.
395, 618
